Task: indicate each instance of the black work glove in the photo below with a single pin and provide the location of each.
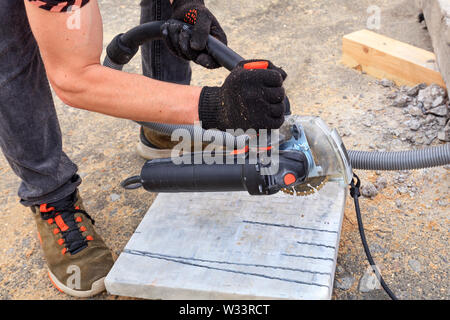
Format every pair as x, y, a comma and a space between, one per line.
252, 96
191, 45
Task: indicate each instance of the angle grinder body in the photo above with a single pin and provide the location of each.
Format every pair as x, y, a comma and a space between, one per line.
306, 155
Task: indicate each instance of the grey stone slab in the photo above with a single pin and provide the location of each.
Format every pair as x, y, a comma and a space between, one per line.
437, 17
233, 246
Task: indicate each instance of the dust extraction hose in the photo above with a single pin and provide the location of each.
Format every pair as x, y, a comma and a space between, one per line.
401, 160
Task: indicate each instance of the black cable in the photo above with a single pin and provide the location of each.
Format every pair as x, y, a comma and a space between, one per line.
354, 192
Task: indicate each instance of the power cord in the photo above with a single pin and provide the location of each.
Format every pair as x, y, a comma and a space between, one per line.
354, 192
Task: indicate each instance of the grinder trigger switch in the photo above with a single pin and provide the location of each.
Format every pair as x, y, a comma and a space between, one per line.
256, 65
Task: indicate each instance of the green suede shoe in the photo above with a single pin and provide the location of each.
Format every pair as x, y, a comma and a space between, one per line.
77, 258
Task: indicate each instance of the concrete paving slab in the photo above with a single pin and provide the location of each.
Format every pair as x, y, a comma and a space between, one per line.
233, 246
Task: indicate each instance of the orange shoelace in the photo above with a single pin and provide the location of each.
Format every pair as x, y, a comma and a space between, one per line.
72, 237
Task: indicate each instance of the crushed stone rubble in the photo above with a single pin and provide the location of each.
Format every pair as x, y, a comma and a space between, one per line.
426, 110
424, 120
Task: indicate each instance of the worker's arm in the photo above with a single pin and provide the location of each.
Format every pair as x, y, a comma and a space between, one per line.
248, 98
72, 61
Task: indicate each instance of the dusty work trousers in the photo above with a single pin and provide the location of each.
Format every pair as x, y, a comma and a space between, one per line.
30, 136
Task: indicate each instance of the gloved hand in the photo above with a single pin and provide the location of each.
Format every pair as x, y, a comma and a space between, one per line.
192, 45
252, 96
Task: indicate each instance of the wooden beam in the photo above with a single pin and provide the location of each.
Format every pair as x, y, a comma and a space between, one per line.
383, 57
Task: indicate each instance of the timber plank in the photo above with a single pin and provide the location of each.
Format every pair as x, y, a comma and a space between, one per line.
383, 57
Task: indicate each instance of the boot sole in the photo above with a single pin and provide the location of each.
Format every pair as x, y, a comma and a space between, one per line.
96, 288
149, 153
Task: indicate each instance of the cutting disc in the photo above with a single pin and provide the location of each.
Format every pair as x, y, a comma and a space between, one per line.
308, 187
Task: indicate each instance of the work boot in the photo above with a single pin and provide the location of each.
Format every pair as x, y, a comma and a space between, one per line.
154, 145
77, 258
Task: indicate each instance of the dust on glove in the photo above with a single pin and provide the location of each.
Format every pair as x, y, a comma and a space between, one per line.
191, 45
252, 96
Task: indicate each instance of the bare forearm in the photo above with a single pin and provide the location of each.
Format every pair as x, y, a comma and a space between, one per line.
130, 96
72, 62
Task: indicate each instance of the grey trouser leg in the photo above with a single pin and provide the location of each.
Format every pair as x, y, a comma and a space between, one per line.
30, 137
157, 61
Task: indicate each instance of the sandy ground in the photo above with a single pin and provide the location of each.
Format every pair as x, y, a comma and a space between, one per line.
409, 238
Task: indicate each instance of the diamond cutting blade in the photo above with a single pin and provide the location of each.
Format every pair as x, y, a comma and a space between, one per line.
308, 187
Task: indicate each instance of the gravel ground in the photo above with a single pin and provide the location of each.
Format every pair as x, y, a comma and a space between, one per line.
405, 213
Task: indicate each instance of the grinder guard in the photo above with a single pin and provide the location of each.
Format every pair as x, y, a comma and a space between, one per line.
326, 146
